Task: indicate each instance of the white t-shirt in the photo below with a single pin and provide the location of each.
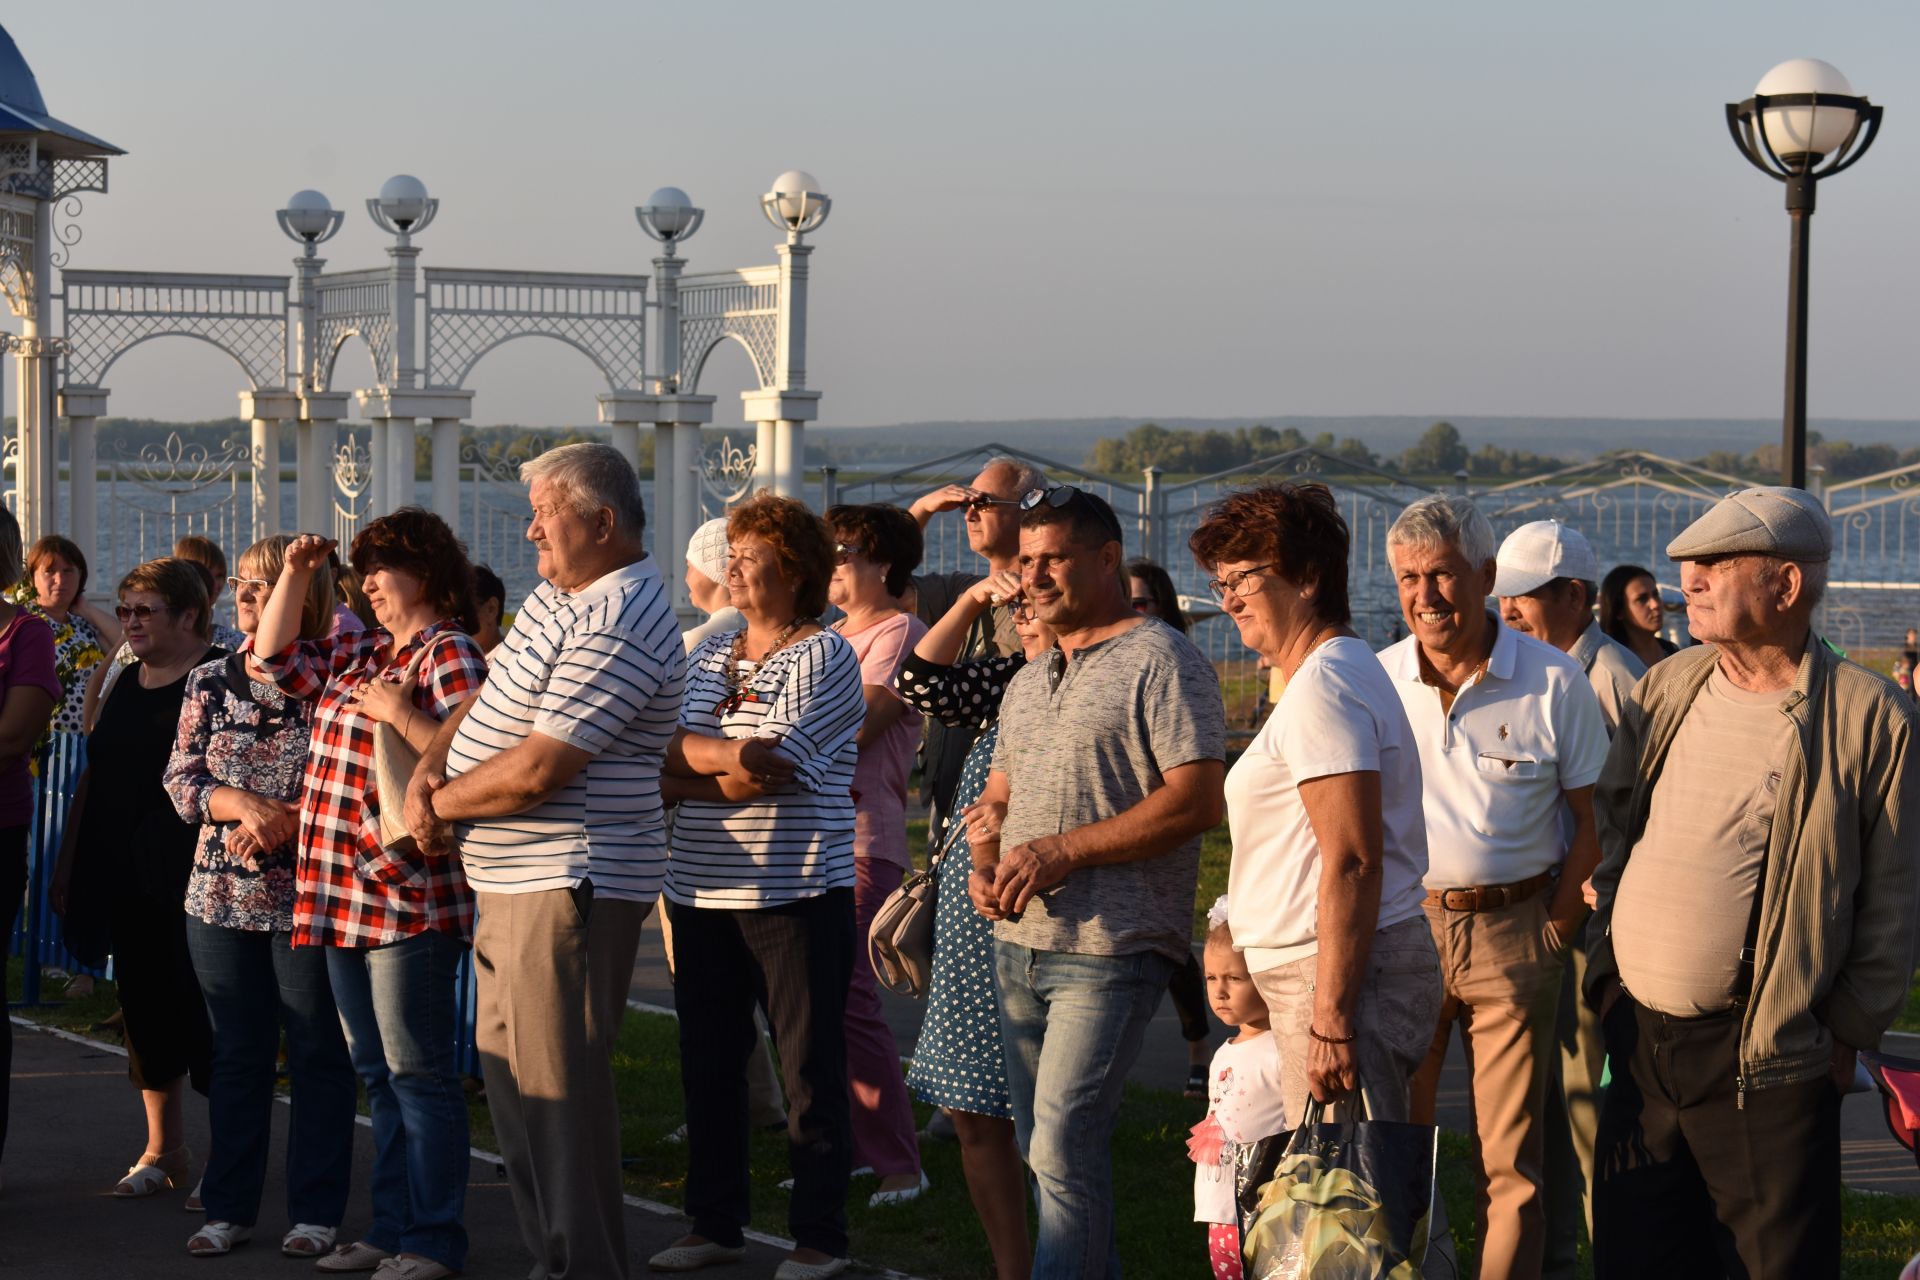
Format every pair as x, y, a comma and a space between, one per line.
600, 669
1243, 1094
1337, 715
1495, 765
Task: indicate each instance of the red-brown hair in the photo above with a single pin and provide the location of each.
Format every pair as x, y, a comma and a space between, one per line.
800, 540
420, 543
1296, 527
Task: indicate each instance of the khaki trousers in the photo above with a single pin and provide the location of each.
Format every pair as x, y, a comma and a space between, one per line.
1501, 971
553, 969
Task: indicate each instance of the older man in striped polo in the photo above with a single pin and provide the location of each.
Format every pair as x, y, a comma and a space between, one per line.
552, 784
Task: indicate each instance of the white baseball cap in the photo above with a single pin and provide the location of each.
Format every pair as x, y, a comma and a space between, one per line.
1535, 554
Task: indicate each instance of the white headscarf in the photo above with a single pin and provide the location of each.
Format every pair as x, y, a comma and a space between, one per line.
707, 551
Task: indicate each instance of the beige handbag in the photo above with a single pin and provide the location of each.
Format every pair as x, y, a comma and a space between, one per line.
394, 760
900, 941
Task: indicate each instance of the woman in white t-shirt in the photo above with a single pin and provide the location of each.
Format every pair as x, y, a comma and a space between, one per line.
1329, 841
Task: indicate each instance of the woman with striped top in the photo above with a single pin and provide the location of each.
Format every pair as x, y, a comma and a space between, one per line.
760, 886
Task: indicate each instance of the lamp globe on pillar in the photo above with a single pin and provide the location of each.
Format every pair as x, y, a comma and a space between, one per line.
669, 217
796, 205
1803, 123
310, 219
403, 206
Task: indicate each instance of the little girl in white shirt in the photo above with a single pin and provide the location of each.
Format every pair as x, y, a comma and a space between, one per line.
1243, 1094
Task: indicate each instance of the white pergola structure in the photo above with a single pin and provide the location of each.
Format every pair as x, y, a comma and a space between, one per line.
426, 328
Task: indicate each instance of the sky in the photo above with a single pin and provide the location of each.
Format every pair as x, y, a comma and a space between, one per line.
1053, 208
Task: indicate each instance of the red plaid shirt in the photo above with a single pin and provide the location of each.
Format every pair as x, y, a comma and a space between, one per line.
349, 891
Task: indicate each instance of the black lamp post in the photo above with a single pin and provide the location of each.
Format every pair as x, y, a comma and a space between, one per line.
1800, 126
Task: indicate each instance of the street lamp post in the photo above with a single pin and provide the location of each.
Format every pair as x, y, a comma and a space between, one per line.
309, 220
1801, 125
671, 218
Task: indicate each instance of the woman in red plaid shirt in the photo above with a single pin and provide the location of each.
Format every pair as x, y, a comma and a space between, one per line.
396, 922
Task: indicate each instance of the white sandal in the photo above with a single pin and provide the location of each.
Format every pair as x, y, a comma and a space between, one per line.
307, 1240
152, 1173
216, 1238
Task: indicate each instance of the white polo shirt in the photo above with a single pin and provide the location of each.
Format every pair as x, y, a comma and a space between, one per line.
1495, 765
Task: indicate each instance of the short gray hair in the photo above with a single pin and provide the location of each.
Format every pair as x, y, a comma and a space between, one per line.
590, 476
1813, 579
1026, 476
1443, 519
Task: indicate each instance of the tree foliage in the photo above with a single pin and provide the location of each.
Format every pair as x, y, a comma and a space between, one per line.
1202, 452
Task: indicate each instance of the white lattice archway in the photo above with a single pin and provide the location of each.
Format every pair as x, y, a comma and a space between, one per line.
740, 305
109, 313
469, 313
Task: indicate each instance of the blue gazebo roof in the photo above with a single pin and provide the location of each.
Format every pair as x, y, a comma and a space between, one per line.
23, 110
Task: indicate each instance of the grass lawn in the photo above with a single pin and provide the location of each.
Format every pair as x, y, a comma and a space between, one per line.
938, 1237
1909, 1019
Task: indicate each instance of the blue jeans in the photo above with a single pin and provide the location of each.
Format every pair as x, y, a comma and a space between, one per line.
254, 983
1073, 1026
396, 1003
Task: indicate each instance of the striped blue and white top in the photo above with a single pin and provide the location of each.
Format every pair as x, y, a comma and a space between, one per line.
600, 669
797, 841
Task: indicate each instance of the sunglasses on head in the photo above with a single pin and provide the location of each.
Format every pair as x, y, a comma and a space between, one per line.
1065, 495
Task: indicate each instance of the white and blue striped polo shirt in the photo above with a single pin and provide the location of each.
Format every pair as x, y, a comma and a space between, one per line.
600, 669
796, 841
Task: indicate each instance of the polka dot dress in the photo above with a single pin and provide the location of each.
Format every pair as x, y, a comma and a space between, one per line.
958, 1062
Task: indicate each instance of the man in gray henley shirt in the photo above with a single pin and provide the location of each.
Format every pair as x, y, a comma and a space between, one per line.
1110, 765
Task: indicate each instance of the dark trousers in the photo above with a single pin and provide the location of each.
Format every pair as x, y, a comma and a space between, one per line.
797, 959
13, 887
1692, 1183
1189, 991
255, 982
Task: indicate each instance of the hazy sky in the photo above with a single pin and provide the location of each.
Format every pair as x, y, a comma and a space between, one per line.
1054, 209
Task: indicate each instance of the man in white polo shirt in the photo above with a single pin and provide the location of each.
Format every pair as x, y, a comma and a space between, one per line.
1510, 740
552, 782
1547, 583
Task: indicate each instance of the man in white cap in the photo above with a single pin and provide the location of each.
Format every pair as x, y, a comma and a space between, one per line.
1755, 907
1511, 742
1547, 577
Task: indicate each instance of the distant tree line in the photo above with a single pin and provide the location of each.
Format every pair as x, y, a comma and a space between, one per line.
1440, 451
1842, 459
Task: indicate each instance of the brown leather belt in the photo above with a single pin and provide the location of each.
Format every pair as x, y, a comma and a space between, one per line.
1489, 897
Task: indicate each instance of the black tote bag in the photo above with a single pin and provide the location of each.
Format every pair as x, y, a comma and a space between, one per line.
1346, 1201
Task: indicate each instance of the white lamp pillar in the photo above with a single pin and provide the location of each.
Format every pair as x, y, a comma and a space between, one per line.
446, 470
320, 416
265, 410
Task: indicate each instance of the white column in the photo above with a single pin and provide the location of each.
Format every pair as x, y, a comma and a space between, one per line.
446, 470
308, 467
266, 477
765, 468
320, 415
399, 468
33, 381
377, 453
82, 407
660, 510
687, 515
790, 459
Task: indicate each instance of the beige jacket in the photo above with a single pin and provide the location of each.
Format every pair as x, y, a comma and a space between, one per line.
1842, 880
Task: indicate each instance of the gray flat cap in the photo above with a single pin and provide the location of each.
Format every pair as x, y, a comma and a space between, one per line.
1773, 520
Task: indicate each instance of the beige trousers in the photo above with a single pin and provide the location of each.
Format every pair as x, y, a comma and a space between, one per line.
1573, 1119
553, 970
1501, 970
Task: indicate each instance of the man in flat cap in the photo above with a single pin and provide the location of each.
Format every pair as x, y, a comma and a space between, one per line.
1755, 905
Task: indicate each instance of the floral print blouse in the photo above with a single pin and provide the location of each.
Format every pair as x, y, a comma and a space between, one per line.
76, 652
238, 732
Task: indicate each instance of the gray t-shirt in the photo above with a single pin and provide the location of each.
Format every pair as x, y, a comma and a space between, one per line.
1084, 740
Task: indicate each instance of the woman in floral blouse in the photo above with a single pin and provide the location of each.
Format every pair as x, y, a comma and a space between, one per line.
83, 634
236, 770
394, 922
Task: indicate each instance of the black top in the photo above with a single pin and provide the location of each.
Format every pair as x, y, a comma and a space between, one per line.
132, 844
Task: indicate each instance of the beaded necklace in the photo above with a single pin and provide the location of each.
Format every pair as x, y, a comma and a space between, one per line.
737, 691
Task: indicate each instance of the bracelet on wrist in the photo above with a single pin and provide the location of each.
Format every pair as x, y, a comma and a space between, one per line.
1315, 1033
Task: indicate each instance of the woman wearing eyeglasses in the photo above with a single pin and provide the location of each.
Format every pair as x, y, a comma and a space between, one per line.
127, 857
878, 548
760, 887
1329, 837
236, 770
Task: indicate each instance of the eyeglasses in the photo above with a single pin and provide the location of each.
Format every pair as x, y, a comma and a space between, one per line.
141, 612
248, 586
1065, 495
1242, 583
1142, 604
843, 553
981, 500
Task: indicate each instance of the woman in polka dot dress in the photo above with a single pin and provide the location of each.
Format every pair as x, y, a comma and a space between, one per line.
958, 1063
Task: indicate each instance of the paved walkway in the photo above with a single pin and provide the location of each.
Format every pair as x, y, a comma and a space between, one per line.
76, 1126
1870, 1158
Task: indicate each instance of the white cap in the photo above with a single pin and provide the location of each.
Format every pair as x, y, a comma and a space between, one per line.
707, 549
1535, 554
